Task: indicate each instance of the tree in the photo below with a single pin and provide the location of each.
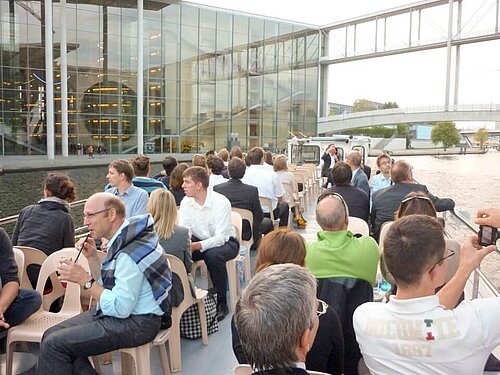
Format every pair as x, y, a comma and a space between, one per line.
362, 105
481, 136
446, 133
388, 105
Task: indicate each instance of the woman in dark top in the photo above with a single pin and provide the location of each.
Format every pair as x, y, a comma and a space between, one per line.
174, 239
48, 226
327, 353
176, 182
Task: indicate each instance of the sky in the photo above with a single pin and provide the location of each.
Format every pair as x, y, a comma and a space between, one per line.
411, 80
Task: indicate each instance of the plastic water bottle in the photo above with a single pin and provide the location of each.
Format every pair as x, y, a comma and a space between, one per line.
384, 285
240, 265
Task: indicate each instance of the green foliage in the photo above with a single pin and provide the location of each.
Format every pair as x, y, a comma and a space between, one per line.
388, 105
362, 105
481, 136
446, 133
332, 112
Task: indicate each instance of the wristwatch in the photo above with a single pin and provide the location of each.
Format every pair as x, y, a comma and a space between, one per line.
88, 284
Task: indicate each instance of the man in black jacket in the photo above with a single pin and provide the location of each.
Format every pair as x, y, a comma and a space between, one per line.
357, 200
385, 202
244, 196
329, 158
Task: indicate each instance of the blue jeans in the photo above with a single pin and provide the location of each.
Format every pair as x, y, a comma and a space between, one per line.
26, 303
65, 348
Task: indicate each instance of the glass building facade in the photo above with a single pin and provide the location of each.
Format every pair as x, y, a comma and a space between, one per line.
206, 78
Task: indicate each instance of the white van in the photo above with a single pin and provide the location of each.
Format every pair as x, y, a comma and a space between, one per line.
310, 150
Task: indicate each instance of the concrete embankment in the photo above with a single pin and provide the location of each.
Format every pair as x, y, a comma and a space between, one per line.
21, 163
430, 151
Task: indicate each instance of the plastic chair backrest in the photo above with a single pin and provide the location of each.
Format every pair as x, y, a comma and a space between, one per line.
237, 222
266, 202
177, 267
358, 226
32, 256
71, 303
383, 231
248, 216
19, 257
289, 192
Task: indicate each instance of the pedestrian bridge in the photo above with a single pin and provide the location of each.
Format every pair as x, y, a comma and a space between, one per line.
427, 114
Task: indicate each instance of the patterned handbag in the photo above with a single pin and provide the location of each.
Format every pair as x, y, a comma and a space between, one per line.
190, 321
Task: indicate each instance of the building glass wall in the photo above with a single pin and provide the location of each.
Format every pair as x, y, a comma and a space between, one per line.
211, 78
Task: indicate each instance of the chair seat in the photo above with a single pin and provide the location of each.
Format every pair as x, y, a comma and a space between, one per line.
34, 327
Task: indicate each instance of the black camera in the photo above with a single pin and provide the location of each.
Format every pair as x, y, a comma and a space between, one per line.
487, 235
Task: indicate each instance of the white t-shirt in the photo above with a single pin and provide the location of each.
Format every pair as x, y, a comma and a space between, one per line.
266, 181
418, 336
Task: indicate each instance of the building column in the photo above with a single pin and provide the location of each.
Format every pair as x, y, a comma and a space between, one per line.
49, 80
64, 82
448, 55
140, 77
323, 77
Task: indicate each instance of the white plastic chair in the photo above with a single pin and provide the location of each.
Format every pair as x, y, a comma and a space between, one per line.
19, 257
358, 226
248, 216
178, 268
33, 328
266, 202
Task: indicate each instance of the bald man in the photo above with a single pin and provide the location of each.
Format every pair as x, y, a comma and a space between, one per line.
345, 267
385, 202
131, 287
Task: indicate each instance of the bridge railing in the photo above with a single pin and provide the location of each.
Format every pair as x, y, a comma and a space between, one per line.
475, 107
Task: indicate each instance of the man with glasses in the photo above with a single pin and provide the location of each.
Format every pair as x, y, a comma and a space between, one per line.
279, 308
418, 332
131, 288
386, 201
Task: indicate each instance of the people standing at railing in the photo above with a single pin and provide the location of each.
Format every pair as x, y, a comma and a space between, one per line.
386, 201
131, 288
16, 304
418, 331
47, 226
120, 175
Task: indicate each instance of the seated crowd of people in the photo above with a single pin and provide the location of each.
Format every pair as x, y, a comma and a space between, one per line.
310, 303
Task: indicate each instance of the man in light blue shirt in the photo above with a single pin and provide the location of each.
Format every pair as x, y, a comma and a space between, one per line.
383, 179
132, 289
120, 175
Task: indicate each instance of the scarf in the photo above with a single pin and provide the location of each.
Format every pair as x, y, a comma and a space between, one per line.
57, 200
140, 241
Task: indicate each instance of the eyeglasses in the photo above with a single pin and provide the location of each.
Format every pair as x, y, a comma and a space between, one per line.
451, 253
90, 216
415, 197
335, 195
322, 307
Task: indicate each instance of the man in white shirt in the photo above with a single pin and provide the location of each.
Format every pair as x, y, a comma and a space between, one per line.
208, 215
418, 332
268, 183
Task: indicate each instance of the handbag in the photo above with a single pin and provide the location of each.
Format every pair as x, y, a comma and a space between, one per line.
190, 325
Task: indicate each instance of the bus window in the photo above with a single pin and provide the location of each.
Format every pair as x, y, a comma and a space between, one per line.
362, 151
310, 154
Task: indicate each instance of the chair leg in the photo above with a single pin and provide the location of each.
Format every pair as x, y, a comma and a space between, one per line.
247, 266
142, 359
128, 363
232, 279
10, 356
165, 365
174, 346
96, 364
203, 321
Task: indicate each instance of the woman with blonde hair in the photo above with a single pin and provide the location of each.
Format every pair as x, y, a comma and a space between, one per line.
327, 353
174, 239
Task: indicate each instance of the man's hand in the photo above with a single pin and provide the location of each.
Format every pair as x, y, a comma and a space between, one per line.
195, 246
3, 323
88, 247
72, 272
471, 254
488, 216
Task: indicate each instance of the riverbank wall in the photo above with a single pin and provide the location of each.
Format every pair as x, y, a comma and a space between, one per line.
430, 151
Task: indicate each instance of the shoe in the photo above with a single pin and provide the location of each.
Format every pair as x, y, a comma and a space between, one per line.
222, 311
492, 364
